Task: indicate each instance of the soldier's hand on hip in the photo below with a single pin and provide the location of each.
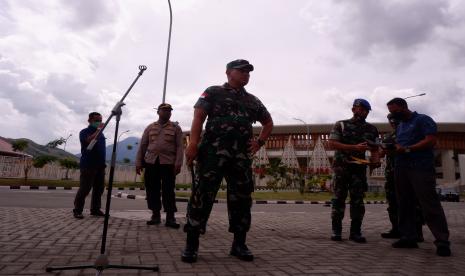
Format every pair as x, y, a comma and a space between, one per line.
191, 153
138, 169
253, 147
177, 169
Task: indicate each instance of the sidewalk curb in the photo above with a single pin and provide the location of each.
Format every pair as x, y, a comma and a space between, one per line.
184, 199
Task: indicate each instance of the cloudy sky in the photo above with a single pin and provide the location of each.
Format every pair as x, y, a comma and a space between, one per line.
59, 60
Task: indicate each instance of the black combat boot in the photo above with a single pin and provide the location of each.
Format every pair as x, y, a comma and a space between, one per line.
171, 221
420, 237
405, 243
239, 248
155, 219
189, 254
356, 232
337, 230
392, 234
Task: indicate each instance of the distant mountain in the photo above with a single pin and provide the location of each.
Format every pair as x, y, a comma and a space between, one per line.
35, 150
122, 150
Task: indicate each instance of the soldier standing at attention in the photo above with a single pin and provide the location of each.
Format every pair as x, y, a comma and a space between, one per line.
225, 150
160, 154
350, 140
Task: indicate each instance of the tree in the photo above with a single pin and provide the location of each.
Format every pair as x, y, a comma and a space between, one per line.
126, 160
278, 172
41, 161
68, 164
55, 143
21, 145
129, 147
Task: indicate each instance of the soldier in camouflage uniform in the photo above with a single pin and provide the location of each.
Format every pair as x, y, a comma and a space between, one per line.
389, 141
389, 186
225, 150
350, 138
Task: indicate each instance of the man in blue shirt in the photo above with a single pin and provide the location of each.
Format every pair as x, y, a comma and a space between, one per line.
415, 177
92, 166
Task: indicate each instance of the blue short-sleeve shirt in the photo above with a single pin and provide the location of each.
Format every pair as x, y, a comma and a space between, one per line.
96, 157
411, 132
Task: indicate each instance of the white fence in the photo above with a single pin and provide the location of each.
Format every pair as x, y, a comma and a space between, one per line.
13, 167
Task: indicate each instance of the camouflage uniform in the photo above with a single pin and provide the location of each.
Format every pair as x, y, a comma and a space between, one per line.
223, 152
389, 185
348, 177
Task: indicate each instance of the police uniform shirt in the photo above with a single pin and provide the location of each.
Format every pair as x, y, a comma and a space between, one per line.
164, 142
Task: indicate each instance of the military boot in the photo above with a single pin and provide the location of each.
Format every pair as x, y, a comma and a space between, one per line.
337, 230
155, 219
356, 232
189, 254
171, 220
420, 237
239, 248
392, 234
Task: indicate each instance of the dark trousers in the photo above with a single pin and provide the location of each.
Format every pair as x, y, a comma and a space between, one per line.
91, 178
393, 209
414, 183
160, 176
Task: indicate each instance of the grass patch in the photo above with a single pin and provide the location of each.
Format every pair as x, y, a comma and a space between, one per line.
292, 195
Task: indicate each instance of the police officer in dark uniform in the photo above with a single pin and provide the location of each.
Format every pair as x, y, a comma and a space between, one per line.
225, 150
351, 139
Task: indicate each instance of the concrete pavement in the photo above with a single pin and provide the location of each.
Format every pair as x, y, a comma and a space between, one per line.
292, 242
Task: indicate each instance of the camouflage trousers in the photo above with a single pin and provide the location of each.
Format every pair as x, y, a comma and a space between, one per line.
211, 168
349, 179
391, 198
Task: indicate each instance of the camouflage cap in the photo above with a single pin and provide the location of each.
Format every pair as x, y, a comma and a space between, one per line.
239, 64
363, 103
164, 106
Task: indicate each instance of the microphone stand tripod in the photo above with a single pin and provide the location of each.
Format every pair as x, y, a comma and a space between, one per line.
102, 262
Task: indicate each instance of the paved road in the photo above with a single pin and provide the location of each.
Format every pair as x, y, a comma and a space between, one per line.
36, 230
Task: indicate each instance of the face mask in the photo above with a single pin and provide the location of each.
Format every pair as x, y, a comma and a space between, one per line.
95, 124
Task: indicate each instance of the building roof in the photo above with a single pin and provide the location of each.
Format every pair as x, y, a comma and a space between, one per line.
7, 150
326, 128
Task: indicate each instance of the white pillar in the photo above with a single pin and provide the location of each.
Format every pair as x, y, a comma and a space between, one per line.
448, 165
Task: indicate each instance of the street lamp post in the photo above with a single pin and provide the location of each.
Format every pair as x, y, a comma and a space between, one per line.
167, 52
307, 143
418, 95
126, 131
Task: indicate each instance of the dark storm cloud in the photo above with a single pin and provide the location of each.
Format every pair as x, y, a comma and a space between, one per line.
390, 29
398, 24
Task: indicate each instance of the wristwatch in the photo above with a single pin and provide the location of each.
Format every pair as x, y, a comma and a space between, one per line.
408, 149
261, 142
